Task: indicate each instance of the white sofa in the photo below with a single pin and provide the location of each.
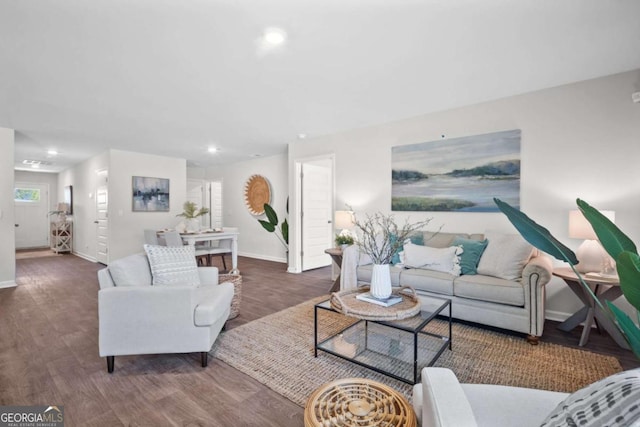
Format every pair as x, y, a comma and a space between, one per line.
440, 400
136, 317
514, 304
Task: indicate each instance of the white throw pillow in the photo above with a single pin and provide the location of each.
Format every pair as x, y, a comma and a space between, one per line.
428, 258
173, 265
132, 270
505, 256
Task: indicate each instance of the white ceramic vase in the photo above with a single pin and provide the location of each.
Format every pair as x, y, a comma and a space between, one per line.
380, 281
193, 225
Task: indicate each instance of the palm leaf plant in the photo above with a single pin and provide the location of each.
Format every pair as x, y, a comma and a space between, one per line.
615, 242
271, 224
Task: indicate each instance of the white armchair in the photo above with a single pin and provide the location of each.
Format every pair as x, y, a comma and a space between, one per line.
138, 318
441, 401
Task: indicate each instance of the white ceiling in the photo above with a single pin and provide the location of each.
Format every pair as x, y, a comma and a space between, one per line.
172, 77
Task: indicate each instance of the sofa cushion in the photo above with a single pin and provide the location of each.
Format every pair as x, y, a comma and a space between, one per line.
487, 288
472, 251
428, 280
438, 239
612, 401
365, 271
132, 270
173, 265
438, 259
505, 256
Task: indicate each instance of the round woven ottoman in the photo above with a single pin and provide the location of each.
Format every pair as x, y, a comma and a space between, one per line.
357, 402
236, 279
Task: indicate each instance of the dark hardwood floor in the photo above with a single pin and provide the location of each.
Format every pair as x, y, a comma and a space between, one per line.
49, 353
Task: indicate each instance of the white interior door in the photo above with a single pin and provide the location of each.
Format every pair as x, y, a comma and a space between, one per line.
102, 225
215, 198
195, 194
31, 209
317, 196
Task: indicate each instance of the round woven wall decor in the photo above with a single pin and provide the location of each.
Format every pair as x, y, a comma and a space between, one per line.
257, 192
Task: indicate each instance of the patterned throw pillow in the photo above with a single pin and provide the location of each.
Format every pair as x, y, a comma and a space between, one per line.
173, 265
613, 401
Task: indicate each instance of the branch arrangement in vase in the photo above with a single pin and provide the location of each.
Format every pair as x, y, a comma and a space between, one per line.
381, 237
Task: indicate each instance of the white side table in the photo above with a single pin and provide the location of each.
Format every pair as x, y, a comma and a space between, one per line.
591, 310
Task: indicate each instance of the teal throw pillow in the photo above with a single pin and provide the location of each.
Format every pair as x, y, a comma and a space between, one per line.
472, 251
416, 239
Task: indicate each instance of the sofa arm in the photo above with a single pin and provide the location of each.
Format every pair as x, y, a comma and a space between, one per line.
535, 275
538, 270
444, 402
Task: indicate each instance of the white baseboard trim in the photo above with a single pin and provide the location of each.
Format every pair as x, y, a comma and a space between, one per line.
85, 256
260, 256
8, 284
557, 316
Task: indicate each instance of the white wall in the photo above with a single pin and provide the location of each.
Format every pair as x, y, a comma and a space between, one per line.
254, 241
85, 179
578, 140
7, 215
126, 228
126, 235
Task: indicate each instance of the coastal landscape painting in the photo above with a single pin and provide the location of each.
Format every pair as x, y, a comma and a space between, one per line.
459, 174
150, 194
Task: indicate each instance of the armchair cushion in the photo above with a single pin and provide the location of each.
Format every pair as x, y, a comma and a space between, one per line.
173, 265
131, 271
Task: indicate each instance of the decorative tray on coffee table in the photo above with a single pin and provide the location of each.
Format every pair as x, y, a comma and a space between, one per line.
346, 303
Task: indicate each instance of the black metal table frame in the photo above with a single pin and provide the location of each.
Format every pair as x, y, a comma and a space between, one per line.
447, 341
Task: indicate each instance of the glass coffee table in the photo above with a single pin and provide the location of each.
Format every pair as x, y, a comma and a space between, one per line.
398, 348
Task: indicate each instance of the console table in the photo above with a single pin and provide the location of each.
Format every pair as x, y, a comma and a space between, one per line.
61, 236
591, 311
336, 256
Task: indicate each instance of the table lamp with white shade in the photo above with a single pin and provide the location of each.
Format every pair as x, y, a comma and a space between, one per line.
343, 220
591, 254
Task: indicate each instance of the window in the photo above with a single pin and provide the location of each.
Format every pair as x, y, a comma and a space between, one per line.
28, 195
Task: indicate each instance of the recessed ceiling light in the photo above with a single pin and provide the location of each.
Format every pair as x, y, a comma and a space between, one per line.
302, 135
212, 150
52, 152
274, 36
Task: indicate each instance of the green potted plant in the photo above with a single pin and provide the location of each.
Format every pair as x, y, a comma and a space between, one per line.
191, 213
271, 225
344, 239
617, 244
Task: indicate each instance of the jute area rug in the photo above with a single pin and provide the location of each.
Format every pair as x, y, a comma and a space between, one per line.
277, 351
